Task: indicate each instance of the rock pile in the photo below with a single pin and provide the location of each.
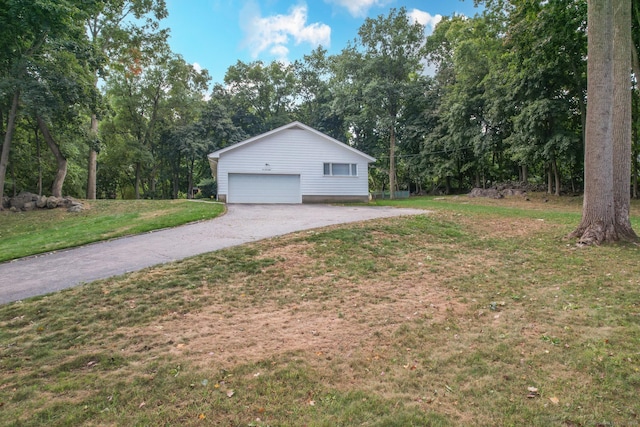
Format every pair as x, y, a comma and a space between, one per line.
497, 193
28, 201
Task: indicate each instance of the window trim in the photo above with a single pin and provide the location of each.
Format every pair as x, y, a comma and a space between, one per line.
329, 167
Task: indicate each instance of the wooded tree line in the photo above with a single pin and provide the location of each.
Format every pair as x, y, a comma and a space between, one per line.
94, 103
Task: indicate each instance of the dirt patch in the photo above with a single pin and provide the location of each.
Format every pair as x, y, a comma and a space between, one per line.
353, 320
517, 228
300, 306
155, 213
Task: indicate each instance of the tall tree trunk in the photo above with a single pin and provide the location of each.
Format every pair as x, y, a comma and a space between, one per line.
190, 182
524, 174
152, 185
392, 162
61, 173
137, 182
8, 136
556, 175
622, 46
176, 187
38, 153
92, 167
634, 164
598, 217
634, 178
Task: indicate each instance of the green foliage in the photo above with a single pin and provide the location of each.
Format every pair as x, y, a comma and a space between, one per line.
208, 188
509, 102
506, 101
375, 80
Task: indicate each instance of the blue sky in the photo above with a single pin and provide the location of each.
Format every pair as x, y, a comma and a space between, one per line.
215, 34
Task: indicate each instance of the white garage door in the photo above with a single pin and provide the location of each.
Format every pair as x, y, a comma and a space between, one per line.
264, 188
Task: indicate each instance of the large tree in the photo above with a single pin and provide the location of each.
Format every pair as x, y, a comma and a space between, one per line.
160, 97
382, 67
314, 89
261, 96
27, 30
605, 213
114, 29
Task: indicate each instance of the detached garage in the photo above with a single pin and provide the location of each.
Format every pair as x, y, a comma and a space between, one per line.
291, 164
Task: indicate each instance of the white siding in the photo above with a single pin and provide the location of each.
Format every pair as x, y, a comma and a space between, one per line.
298, 152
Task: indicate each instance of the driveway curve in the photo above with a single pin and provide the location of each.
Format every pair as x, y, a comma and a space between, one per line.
42, 274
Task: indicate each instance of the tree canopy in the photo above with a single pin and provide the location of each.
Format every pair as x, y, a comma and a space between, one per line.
494, 98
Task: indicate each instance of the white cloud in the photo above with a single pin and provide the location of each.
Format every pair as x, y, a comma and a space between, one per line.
359, 8
425, 18
197, 67
274, 33
280, 51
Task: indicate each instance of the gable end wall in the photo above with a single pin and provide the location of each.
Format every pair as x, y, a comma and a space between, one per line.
299, 152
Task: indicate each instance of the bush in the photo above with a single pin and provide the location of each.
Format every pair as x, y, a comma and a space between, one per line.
208, 188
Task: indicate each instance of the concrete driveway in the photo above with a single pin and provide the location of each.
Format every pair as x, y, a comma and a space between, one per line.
51, 272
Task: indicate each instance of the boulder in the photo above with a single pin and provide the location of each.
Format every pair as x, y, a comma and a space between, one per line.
68, 201
497, 193
26, 201
485, 192
20, 200
41, 203
52, 202
513, 192
76, 207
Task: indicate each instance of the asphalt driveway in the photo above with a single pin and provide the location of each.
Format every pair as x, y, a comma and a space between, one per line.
51, 272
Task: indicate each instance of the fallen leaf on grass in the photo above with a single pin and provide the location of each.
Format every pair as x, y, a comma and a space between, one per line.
141, 405
202, 416
533, 392
554, 400
230, 393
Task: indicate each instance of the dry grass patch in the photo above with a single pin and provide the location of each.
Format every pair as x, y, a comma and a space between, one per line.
447, 319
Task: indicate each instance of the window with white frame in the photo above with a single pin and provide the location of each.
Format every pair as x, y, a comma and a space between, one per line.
341, 169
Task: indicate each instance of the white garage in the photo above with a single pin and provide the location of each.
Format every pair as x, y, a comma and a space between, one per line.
264, 188
291, 164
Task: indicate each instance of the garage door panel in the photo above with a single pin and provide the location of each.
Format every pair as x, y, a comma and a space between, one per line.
264, 188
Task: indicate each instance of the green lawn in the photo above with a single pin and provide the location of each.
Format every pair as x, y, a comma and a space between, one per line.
29, 233
479, 313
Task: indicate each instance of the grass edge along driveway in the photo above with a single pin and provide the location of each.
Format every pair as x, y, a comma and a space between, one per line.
30, 233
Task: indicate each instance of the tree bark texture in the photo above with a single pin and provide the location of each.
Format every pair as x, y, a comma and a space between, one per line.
137, 181
39, 155
61, 173
622, 47
392, 162
6, 146
556, 175
598, 220
93, 160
